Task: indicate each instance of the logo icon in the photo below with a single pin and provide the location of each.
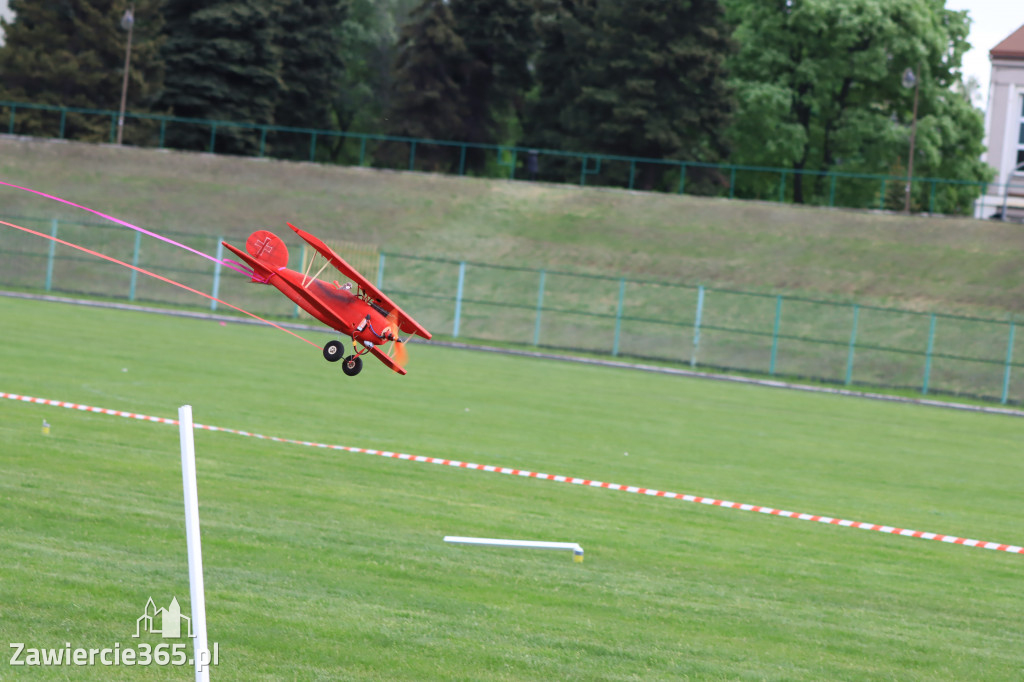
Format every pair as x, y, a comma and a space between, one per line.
163, 622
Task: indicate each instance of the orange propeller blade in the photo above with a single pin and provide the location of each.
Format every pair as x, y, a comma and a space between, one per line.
399, 353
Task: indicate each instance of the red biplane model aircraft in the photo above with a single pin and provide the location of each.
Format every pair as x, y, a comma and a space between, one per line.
367, 315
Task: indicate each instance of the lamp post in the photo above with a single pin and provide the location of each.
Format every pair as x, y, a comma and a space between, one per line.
911, 80
127, 23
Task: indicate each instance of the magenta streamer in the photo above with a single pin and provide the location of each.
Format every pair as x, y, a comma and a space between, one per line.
234, 265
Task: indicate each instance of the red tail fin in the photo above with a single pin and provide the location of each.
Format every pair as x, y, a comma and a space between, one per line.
267, 248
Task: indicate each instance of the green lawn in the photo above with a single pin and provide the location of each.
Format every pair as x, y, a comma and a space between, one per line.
329, 565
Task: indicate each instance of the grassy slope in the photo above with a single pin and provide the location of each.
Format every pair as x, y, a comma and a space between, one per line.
935, 264
326, 565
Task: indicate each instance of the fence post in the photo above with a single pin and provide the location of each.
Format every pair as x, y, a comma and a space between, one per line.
853, 345
216, 273
380, 272
263, 140
732, 183
1009, 361
775, 333
618, 316
540, 308
682, 178
10, 124
63, 120
696, 325
458, 300
52, 254
928, 356
510, 164
312, 146
135, 262
586, 170
163, 131
113, 126
782, 187
462, 160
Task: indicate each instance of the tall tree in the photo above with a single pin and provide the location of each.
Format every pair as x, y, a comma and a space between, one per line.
368, 42
500, 38
563, 29
72, 53
819, 86
644, 78
428, 100
221, 64
462, 72
311, 68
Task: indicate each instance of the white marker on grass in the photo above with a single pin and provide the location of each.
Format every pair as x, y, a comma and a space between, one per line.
577, 551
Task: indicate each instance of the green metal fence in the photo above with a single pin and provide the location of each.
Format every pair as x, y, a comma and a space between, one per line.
700, 327
851, 190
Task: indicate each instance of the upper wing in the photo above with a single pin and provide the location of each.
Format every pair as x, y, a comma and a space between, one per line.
405, 322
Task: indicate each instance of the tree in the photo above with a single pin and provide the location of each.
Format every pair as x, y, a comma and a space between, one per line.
221, 64
311, 69
500, 38
649, 80
949, 145
72, 53
428, 100
819, 86
563, 28
368, 42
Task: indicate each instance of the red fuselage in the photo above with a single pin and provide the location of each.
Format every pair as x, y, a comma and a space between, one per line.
334, 305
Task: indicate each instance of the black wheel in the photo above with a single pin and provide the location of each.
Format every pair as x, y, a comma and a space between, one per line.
352, 365
333, 351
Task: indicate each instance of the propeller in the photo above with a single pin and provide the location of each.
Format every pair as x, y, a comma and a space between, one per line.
398, 351
399, 354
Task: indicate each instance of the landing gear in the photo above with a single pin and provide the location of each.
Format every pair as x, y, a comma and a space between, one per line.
333, 351
352, 365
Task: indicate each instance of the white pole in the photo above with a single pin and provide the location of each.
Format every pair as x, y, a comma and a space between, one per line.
577, 551
200, 650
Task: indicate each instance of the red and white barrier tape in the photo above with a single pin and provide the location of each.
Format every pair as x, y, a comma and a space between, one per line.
1013, 549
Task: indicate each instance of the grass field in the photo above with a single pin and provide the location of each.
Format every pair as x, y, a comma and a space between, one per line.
930, 264
329, 565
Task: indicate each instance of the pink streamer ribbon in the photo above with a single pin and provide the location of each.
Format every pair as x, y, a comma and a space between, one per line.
234, 265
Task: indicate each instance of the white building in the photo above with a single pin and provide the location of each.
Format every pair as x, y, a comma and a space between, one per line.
1004, 131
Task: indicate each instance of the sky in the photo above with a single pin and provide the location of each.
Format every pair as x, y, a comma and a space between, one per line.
993, 20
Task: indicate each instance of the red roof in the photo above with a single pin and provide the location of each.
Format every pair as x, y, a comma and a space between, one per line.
1012, 47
